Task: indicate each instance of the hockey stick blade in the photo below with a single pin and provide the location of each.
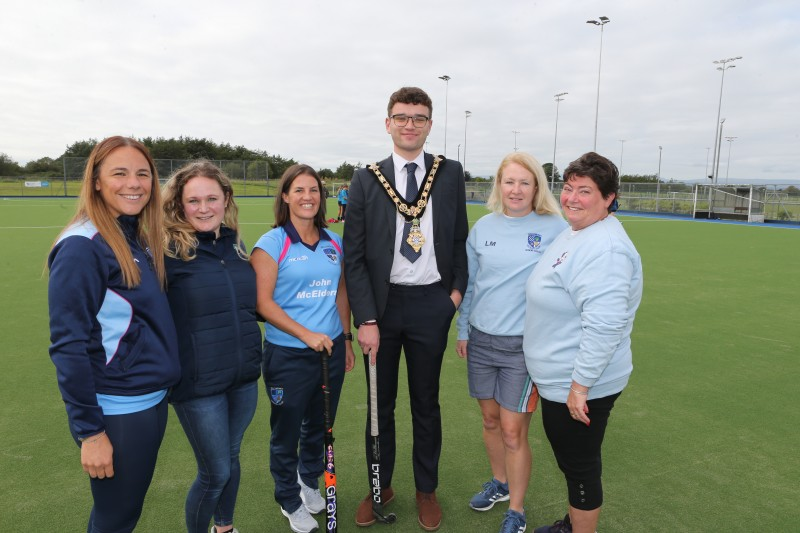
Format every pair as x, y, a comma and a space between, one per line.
330, 465
375, 466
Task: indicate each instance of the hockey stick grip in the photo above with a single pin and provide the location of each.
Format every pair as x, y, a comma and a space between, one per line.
373, 399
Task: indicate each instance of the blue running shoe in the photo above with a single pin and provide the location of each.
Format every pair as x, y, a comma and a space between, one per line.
513, 522
560, 526
493, 492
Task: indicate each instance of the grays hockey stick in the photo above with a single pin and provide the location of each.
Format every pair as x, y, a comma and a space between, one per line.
330, 465
375, 466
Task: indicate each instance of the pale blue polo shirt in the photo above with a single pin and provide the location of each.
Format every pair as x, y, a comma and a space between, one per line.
308, 280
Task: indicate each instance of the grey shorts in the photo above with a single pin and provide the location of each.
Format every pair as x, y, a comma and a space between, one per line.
496, 369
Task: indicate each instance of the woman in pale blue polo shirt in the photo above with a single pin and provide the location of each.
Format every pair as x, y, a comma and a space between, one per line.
502, 249
302, 296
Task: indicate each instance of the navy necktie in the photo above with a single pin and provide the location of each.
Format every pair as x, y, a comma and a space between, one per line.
411, 192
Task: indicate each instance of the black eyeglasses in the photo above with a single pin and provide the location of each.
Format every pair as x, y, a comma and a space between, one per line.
419, 121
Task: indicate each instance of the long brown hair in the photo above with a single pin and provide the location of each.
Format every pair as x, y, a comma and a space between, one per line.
282, 208
93, 208
180, 236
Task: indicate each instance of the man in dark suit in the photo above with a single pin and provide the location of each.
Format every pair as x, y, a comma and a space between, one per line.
406, 272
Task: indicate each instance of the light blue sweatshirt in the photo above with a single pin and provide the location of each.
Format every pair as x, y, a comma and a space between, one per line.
581, 301
501, 253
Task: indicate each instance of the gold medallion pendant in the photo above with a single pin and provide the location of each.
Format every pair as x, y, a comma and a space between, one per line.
415, 237
411, 212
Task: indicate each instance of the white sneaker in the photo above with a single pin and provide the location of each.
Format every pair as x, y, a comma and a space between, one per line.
300, 521
214, 530
312, 499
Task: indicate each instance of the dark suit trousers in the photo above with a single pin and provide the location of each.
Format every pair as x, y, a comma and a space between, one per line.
417, 320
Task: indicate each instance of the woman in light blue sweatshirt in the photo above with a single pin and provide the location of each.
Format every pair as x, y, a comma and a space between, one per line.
581, 301
502, 249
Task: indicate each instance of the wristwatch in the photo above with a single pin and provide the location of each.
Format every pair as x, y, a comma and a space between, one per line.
348, 336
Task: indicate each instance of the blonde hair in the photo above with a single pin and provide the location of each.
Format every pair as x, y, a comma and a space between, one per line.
93, 208
180, 237
544, 203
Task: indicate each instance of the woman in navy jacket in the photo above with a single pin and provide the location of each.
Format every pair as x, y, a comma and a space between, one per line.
211, 289
112, 336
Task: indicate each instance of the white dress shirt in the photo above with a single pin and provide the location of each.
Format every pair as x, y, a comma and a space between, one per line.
424, 271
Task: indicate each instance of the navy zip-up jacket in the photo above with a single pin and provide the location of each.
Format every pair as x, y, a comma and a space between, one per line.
213, 302
106, 338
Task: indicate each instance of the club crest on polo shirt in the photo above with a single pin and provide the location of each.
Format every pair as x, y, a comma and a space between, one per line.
276, 395
330, 253
535, 242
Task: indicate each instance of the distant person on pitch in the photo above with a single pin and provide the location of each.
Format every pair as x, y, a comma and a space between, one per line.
342, 200
502, 249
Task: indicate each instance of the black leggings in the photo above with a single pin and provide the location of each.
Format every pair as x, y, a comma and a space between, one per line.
118, 500
577, 448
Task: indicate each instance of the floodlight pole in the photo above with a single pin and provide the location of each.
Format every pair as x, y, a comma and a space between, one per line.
555, 142
621, 152
717, 125
728, 166
515, 132
718, 151
715, 166
466, 116
446, 79
602, 22
658, 179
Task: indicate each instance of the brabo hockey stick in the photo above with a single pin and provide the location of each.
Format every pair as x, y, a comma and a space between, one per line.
375, 466
330, 466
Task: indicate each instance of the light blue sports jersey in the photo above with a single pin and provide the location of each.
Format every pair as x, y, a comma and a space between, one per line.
307, 283
501, 254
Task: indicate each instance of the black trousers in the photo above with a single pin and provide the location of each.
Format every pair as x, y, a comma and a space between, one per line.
136, 438
417, 322
577, 448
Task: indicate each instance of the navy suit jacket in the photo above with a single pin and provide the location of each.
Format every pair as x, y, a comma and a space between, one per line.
370, 228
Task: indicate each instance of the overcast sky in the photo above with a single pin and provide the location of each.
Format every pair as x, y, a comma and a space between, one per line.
310, 79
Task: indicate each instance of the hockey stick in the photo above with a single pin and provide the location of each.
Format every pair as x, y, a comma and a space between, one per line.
330, 466
375, 466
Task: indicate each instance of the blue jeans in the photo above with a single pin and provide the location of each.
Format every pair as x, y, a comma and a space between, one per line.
215, 426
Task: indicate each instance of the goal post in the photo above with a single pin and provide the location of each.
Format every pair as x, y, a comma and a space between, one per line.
733, 202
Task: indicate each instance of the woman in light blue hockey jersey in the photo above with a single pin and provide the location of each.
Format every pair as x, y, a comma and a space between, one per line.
302, 296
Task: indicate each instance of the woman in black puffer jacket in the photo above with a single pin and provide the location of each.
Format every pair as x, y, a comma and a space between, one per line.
211, 289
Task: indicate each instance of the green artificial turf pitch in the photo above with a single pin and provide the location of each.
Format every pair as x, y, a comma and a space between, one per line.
703, 439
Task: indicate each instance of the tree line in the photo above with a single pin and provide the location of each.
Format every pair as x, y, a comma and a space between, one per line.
194, 148
172, 148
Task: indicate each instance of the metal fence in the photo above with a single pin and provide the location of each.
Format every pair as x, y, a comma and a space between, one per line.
250, 178
755, 203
